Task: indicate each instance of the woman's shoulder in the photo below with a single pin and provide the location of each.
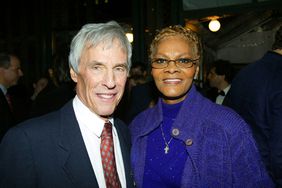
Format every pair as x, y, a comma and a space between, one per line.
143, 118
225, 118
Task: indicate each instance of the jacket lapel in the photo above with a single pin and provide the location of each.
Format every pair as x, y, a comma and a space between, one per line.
125, 144
73, 153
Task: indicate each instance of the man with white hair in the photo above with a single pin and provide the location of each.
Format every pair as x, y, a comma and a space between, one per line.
82, 144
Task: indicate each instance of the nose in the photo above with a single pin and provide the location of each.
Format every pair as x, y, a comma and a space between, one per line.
171, 67
20, 72
109, 79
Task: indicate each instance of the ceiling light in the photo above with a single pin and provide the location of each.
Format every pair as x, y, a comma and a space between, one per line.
214, 25
129, 37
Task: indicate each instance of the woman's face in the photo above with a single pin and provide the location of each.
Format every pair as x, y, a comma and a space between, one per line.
174, 82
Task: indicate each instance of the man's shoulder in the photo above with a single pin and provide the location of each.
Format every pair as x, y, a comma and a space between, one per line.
120, 123
47, 121
40, 123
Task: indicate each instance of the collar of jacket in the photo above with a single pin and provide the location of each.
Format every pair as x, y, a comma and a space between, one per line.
188, 121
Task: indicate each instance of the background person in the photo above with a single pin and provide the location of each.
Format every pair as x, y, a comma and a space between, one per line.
256, 94
137, 76
62, 148
220, 77
10, 73
143, 94
55, 89
187, 140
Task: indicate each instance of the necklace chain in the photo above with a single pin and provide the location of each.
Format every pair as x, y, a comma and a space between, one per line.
166, 149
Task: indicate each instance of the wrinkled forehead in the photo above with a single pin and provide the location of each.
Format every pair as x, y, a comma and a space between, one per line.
106, 44
103, 51
15, 61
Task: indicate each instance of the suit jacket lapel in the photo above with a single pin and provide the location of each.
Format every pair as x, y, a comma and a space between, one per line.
125, 144
75, 160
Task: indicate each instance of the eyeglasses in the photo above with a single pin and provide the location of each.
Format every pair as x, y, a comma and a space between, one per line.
180, 63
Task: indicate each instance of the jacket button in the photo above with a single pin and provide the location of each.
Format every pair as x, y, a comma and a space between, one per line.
175, 132
189, 142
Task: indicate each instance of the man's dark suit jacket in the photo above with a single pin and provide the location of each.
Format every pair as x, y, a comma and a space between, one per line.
49, 151
6, 116
256, 94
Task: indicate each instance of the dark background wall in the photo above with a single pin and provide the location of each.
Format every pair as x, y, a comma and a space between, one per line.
36, 30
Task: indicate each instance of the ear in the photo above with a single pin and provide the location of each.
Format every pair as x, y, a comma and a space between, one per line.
145, 73
196, 73
73, 75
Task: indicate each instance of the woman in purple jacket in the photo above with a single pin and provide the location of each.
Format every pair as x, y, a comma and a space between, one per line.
187, 140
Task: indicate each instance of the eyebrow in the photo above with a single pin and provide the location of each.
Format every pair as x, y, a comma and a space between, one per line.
178, 56
94, 62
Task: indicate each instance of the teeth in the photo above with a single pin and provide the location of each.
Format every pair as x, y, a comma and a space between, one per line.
172, 80
106, 96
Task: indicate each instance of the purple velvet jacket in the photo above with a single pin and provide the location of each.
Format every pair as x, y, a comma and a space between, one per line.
221, 149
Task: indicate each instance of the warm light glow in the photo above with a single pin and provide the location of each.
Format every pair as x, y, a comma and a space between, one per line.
214, 25
129, 37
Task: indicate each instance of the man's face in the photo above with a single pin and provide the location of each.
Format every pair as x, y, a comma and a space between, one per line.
101, 77
12, 74
213, 78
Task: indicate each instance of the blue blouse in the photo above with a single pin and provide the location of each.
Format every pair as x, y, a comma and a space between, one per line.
162, 169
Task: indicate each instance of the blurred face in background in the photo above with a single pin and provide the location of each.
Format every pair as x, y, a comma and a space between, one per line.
101, 77
11, 75
173, 81
212, 78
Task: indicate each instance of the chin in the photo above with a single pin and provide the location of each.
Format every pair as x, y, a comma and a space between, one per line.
173, 95
106, 112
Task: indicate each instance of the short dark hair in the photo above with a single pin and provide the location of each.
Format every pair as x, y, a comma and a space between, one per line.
224, 67
278, 39
5, 60
140, 65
